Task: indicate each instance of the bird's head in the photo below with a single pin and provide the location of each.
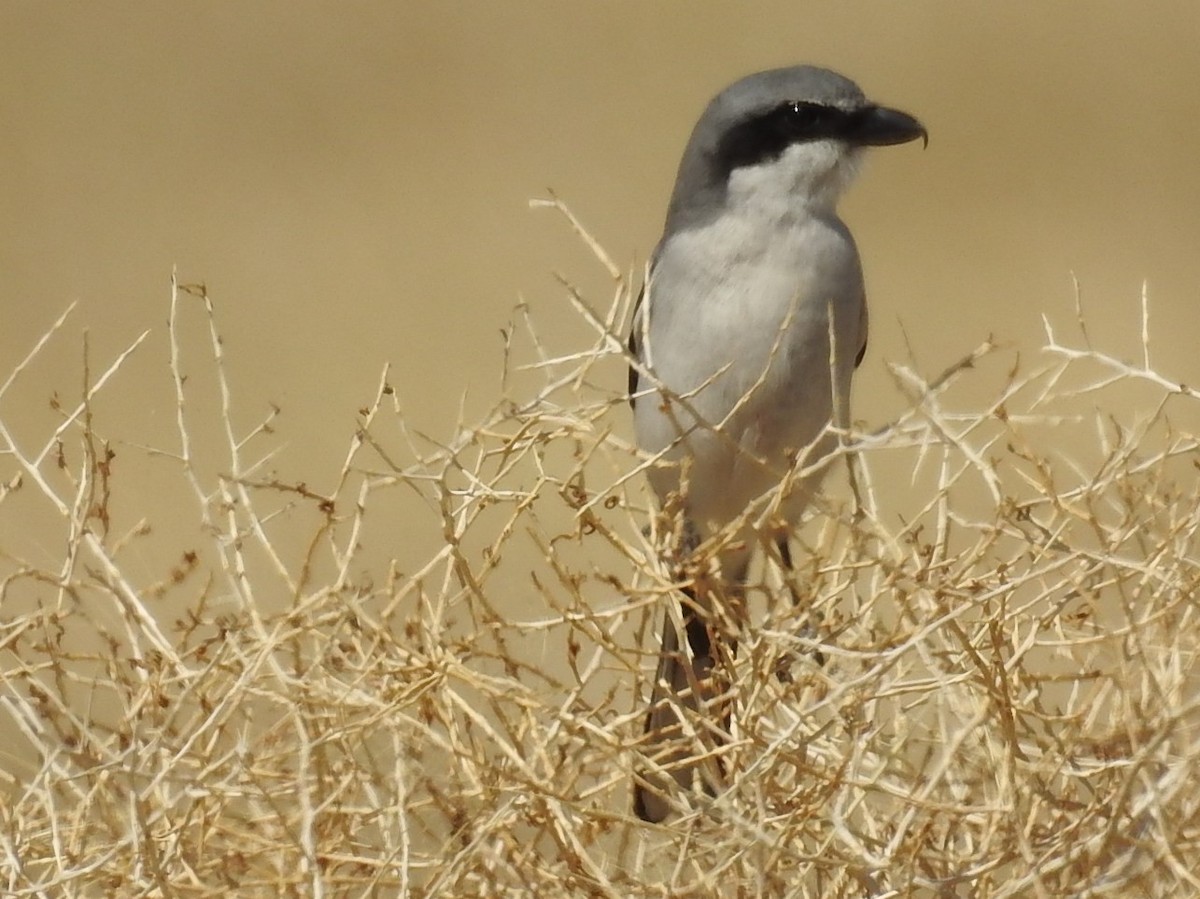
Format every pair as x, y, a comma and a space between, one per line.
788, 136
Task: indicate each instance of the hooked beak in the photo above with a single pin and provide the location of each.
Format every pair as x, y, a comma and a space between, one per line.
878, 126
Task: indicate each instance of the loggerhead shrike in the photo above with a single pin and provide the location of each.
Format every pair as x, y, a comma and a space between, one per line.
750, 325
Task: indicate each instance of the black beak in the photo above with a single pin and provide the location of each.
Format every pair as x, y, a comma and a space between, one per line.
878, 126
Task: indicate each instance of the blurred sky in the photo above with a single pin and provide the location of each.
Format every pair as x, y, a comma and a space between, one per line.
351, 182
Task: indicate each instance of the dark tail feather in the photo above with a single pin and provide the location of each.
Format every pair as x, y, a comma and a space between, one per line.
686, 685
692, 683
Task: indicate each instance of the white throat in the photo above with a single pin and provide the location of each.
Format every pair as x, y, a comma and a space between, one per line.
805, 180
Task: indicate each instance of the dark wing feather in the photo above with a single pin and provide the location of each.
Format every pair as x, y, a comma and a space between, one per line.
862, 329
633, 345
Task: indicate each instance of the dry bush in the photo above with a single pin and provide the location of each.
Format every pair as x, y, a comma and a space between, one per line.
1008, 704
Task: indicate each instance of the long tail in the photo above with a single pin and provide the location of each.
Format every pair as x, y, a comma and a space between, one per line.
687, 686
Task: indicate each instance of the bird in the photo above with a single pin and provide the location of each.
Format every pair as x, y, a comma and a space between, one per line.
744, 339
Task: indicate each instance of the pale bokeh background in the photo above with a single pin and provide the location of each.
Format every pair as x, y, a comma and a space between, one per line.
351, 182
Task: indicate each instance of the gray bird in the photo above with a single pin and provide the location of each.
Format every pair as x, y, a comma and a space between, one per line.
754, 275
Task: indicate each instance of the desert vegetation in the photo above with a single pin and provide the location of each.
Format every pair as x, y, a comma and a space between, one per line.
1006, 577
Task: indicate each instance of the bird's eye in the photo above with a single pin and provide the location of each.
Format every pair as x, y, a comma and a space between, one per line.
807, 116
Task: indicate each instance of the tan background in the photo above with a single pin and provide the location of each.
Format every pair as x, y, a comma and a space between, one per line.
350, 180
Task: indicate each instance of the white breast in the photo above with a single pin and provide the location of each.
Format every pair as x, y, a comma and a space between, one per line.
739, 326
